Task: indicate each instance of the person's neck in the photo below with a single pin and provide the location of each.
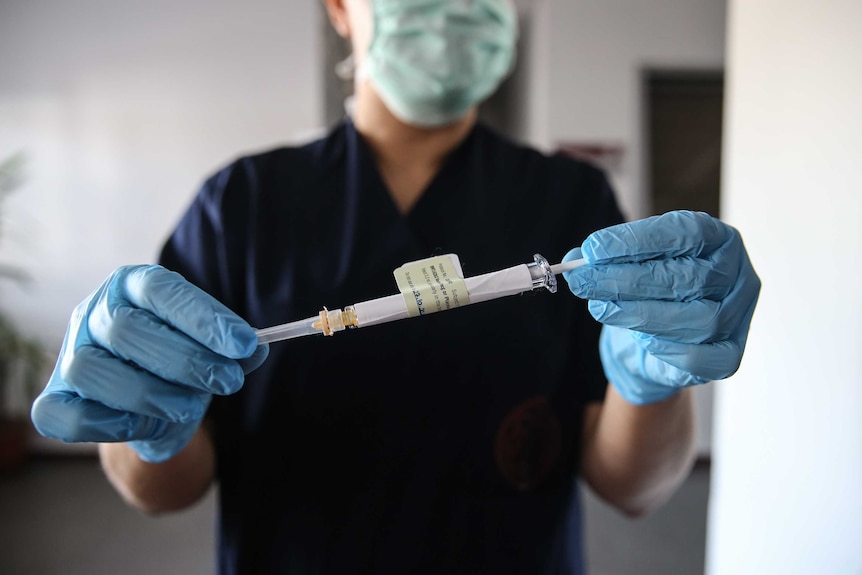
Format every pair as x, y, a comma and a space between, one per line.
408, 157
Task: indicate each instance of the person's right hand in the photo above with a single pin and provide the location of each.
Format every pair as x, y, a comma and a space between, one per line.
141, 359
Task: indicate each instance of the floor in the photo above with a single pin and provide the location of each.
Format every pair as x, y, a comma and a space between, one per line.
669, 541
59, 515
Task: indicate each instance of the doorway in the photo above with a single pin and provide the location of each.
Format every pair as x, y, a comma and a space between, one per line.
684, 131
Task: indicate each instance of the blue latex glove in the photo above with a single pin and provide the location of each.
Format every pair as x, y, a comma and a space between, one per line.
141, 359
675, 293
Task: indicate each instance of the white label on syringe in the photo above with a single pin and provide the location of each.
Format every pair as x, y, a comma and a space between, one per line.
433, 284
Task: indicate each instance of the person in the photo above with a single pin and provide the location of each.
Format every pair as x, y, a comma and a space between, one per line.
450, 443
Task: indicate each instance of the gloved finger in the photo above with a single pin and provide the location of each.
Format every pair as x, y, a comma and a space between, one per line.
670, 235
138, 336
188, 309
690, 322
695, 322
66, 416
709, 361
97, 375
634, 372
680, 279
167, 444
250, 364
670, 374
739, 305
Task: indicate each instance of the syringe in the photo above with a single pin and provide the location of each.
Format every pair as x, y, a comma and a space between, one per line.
440, 286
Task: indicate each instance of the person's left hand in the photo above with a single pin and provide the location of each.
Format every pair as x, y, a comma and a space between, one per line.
675, 293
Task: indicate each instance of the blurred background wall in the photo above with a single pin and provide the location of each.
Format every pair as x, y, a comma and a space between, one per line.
598, 51
122, 109
787, 468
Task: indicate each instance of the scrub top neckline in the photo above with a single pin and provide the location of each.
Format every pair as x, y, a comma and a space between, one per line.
459, 211
435, 187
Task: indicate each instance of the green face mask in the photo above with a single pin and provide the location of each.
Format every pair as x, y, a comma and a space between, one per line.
433, 60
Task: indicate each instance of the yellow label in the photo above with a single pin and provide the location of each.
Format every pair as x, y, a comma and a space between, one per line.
433, 284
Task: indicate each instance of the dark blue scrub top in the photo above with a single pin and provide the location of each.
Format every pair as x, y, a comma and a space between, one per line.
442, 444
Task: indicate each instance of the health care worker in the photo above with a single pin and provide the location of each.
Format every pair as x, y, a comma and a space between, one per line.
446, 444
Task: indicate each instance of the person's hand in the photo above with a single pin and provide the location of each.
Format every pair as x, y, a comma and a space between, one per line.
141, 359
675, 293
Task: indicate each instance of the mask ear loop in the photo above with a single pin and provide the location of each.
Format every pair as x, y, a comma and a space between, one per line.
346, 69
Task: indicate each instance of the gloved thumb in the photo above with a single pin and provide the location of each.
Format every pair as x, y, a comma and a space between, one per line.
256, 359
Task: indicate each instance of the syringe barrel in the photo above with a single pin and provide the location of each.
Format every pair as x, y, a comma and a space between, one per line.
485, 287
380, 310
510, 281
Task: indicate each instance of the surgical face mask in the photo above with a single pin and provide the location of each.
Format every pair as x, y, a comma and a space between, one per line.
433, 60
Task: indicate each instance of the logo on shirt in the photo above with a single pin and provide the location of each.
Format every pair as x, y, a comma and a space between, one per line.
528, 443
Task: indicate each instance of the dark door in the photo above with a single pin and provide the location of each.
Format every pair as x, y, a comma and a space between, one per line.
684, 120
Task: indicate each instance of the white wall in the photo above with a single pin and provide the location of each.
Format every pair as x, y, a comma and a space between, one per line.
787, 472
598, 49
123, 108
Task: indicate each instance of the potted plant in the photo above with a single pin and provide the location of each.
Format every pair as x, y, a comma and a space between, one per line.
22, 360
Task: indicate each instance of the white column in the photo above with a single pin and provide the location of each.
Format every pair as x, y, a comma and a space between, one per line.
787, 472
